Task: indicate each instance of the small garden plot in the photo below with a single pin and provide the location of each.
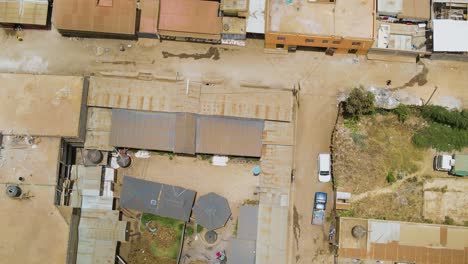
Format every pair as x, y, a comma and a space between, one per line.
373, 152
159, 241
384, 157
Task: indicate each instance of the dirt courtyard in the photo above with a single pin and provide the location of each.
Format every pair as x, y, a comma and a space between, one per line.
235, 182
32, 229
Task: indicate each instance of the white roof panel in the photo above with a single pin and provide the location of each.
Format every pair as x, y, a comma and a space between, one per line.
450, 35
256, 18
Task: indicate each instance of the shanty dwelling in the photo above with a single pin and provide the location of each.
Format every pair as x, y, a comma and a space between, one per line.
195, 20
402, 29
450, 26
382, 241
190, 117
96, 18
42, 120
30, 13
344, 26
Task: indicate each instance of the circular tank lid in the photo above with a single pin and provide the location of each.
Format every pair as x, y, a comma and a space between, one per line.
211, 236
124, 160
358, 231
95, 156
13, 191
256, 170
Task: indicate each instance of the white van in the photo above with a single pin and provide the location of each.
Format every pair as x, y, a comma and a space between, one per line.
324, 167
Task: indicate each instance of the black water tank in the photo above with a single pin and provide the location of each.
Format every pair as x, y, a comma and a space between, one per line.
13, 191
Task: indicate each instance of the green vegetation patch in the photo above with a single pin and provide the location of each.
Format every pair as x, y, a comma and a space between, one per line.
165, 240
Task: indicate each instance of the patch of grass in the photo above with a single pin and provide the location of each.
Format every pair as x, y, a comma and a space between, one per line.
442, 115
405, 204
352, 124
390, 177
359, 139
189, 231
403, 112
390, 142
441, 137
164, 221
199, 228
234, 232
347, 213
428, 221
171, 251
204, 156
438, 189
448, 221
465, 223
250, 202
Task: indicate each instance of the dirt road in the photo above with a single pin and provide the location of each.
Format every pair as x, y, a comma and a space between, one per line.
321, 78
315, 119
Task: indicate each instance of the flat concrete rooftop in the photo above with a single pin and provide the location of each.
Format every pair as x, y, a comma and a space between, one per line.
346, 18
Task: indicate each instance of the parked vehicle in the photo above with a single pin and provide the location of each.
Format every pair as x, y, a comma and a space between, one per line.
320, 204
324, 167
456, 164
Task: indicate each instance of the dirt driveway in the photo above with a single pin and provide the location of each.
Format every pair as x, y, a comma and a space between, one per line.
312, 137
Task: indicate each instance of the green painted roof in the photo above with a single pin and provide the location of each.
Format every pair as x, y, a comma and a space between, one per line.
461, 165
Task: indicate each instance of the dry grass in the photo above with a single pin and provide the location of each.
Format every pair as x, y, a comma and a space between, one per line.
405, 204
365, 152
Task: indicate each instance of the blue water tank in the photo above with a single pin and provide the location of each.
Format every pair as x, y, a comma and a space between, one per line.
256, 170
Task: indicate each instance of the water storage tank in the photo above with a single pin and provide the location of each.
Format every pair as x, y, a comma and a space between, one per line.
124, 160
358, 231
94, 156
13, 191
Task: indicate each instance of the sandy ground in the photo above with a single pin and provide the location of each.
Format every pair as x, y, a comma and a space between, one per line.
320, 77
32, 230
446, 197
235, 181
311, 138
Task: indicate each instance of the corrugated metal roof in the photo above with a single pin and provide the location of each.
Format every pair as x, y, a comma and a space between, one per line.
145, 130
87, 15
241, 252
186, 133
403, 241
99, 231
33, 12
229, 136
156, 198
190, 16
248, 222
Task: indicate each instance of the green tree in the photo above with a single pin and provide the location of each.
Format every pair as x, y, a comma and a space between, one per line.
358, 103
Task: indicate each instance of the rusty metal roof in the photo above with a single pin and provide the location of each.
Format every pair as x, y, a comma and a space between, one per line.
186, 133
229, 136
90, 16
194, 16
